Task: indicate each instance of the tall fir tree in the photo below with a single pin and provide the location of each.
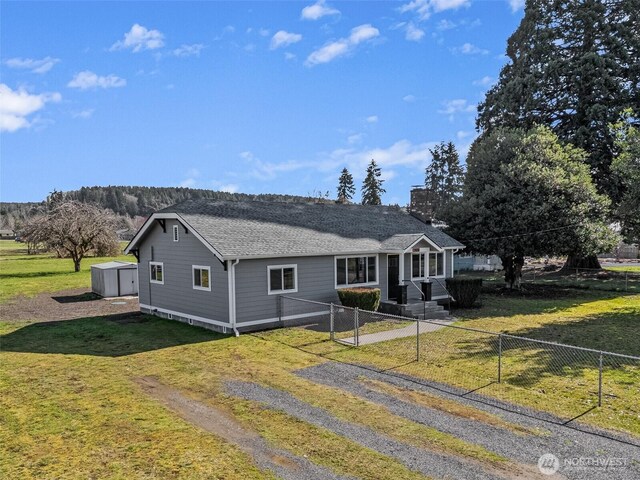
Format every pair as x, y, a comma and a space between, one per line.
372, 185
346, 188
444, 177
574, 67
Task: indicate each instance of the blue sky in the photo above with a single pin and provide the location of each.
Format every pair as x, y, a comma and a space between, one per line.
254, 97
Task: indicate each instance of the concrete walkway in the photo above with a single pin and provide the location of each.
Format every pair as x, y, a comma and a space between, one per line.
408, 331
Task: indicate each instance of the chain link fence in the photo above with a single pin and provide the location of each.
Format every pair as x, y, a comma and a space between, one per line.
585, 278
512, 372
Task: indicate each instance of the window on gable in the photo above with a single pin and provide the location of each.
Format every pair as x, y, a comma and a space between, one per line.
201, 277
356, 270
156, 272
176, 233
282, 278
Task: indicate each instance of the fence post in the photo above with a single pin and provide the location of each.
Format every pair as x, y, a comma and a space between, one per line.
417, 340
626, 281
356, 339
600, 380
499, 358
332, 334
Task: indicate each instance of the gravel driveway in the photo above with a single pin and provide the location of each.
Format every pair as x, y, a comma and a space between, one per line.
566, 443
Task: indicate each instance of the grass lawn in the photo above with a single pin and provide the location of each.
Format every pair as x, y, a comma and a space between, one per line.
71, 405
628, 268
29, 275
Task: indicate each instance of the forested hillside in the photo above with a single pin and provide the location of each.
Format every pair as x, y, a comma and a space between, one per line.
130, 202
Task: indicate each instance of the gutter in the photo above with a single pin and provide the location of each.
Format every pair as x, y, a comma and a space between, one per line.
231, 276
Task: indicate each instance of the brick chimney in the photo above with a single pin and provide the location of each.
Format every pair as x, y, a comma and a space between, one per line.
420, 206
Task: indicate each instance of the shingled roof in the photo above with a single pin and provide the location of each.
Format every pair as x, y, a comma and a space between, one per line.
240, 229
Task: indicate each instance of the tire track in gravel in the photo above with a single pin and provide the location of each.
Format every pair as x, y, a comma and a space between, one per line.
429, 463
563, 442
284, 464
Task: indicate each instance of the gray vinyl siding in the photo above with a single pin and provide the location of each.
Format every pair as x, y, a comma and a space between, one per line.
316, 281
177, 293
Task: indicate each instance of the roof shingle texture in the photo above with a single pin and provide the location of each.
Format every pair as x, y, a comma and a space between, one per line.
255, 228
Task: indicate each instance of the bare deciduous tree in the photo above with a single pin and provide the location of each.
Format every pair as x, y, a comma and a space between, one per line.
75, 229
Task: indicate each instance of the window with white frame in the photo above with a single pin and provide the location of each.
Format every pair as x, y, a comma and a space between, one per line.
356, 270
156, 272
176, 233
436, 264
201, 277
282, 279
417, 265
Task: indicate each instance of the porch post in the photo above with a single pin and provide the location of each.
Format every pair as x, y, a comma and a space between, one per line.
401, 270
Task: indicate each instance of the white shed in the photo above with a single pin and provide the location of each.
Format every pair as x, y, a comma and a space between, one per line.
114, 279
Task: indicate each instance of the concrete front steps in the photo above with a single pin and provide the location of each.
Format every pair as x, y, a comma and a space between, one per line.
430, 311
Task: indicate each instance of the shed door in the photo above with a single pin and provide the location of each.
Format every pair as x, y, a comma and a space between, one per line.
127, 282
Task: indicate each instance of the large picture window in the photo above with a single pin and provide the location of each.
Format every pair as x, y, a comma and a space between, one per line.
436, 264
282, 279
201, 277
356, 270
156, 272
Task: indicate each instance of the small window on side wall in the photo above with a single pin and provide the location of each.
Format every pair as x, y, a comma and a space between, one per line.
176, 233
201, 277
156, 272
282, 279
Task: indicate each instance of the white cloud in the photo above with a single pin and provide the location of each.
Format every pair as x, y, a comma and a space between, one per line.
343, 46
424, 8
88, 113
140, 38
355, 138
372, 119
34, 66
283, 39
17, 105
409, 98
470, 49
89, 80
289, 56
263, 32
413, 33
516, 4
318, 10
229, 188
188, 50
188, 183
453, 107
484, 81
462, 134
445, 25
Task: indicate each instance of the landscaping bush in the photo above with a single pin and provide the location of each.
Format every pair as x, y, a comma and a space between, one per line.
363, 298
465, 291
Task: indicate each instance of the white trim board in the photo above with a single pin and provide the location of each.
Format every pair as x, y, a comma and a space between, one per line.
186, 315
277, 319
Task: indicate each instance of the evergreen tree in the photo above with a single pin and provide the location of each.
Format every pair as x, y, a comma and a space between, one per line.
346, 188
528, 194
372, 185
627, 166
574, 66
443, 177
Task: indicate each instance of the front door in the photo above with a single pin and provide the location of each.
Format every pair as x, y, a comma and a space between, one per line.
393, 276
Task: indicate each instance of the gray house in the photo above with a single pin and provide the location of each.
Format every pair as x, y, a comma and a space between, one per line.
223, 264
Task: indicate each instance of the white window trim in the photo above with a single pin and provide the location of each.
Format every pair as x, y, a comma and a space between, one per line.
193, 277
444, 265
163, 272
176, 233
355, 285
424, 256
280, 267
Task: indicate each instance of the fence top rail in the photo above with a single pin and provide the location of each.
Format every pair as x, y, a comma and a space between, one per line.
469, 329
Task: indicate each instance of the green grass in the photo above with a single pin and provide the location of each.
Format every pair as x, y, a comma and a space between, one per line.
628, 268
29, 275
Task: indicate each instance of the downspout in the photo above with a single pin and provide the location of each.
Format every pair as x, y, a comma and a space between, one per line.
232, 295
